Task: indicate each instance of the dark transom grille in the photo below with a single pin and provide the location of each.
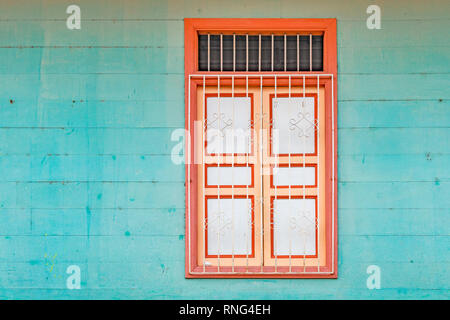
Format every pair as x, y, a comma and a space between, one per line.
218, 52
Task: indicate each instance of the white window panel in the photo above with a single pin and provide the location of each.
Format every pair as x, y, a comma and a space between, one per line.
228, 176
294, 176
228, 130
294, 226
229, 231
293, 125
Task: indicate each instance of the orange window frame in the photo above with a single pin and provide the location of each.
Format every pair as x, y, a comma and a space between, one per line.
327, 27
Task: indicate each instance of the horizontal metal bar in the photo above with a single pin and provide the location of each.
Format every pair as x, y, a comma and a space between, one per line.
256, 273
300, 75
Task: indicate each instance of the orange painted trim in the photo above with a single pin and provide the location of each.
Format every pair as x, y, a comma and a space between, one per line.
252, 198
193, 26
191, 182
241, 165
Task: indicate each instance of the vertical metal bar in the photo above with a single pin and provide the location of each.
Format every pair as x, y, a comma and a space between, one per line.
221, 52
209, 52
246, 191
276, 162
298, 52
290, 202
310, 52
218, 172
261, 149
318, 179
259, 59
285, 55
232, 173
272, 51
234, 53
204, 120
304, 187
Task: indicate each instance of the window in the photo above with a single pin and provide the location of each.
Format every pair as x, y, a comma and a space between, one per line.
261, 187
263, 52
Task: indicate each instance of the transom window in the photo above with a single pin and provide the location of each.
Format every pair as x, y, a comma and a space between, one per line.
261, 148
262, 52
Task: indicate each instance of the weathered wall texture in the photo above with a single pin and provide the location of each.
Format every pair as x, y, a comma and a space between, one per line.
85, 171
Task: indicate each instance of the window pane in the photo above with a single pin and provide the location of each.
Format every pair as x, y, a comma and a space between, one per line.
304, 53
229, 226
241, 53
227, 42
266, 53
294, 226
291, 53
317, 51
215, 53
294, 176
294, 125
228, 125
278, 53
253, 53
203, 52
227, 176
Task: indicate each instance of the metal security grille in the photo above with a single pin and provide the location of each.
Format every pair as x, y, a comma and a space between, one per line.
262, 52
259, 141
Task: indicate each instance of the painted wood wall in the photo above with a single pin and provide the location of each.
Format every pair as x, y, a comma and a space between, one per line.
85, 172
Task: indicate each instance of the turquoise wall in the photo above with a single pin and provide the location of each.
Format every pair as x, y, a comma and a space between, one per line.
85, 171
